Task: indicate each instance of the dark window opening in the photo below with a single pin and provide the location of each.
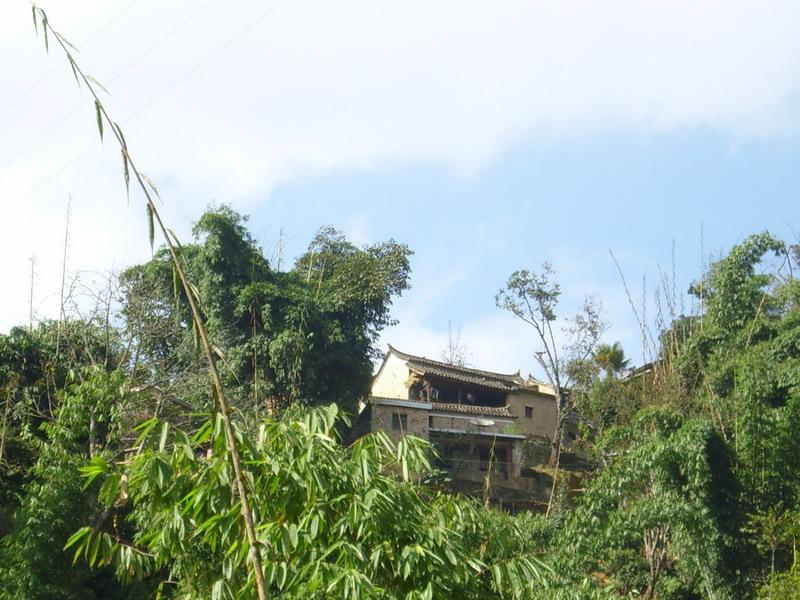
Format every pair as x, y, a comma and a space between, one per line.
399, 422
528, 412
482, 454
499, 461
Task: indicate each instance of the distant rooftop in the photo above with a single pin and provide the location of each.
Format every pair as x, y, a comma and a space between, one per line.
506, 382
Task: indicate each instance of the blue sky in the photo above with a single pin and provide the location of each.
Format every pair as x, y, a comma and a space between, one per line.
568, 202
487, 136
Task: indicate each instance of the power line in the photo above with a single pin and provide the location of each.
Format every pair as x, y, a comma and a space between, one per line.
169, 34
195, 68
119, 74
42, 135
47, 75
160, 95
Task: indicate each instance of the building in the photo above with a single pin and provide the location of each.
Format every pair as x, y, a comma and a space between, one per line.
481, 423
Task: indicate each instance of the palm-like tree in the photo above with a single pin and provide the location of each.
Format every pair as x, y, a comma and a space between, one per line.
611, 358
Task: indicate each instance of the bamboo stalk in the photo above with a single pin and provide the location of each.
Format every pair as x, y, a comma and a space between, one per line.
219, 392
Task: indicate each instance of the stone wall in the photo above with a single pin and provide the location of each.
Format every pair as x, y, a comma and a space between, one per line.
416, 420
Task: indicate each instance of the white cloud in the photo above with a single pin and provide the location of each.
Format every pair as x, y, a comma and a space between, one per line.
356, 228
214, 113
491, 342
497, 341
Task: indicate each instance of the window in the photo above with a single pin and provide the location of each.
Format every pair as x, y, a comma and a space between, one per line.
399, 422
482, 454
528, 412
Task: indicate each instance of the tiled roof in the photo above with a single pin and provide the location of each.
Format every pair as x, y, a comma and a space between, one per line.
467, 409
472, 409
426, 366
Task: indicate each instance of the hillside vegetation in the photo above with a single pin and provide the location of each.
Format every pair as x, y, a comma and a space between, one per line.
180, 435
116, 479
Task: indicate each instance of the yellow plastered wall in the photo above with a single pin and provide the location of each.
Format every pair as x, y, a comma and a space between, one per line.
543, 421
392, 379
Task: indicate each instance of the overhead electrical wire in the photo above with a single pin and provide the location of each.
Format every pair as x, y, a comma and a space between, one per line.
160, 95
119, 74
47, 75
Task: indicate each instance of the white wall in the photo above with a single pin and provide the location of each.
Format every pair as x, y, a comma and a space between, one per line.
392, 379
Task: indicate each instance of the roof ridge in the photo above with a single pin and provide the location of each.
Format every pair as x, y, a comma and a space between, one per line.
439, 363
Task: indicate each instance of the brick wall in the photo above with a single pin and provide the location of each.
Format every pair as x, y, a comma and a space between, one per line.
416, 420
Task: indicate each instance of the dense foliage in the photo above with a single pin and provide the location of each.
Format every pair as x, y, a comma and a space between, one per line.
304, 335
115, 478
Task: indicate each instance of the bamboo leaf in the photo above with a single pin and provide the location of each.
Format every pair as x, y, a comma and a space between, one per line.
175, 239
77, 536
92, 471
98, 84
35, 22
83, 535
144, 429
93, 547
44, 28
186, 446
282, 573
194, 290
498, 576
99, 114
126, 174
162, 442
109, 490
66, 42
74, 70
150, 227
175, 293
150, 183
123, 487
121, 136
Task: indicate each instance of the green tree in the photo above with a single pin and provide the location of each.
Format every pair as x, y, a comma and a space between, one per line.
332, 521
668, 495
533, 298
55, 503
611, 359
34, 368
304, 335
